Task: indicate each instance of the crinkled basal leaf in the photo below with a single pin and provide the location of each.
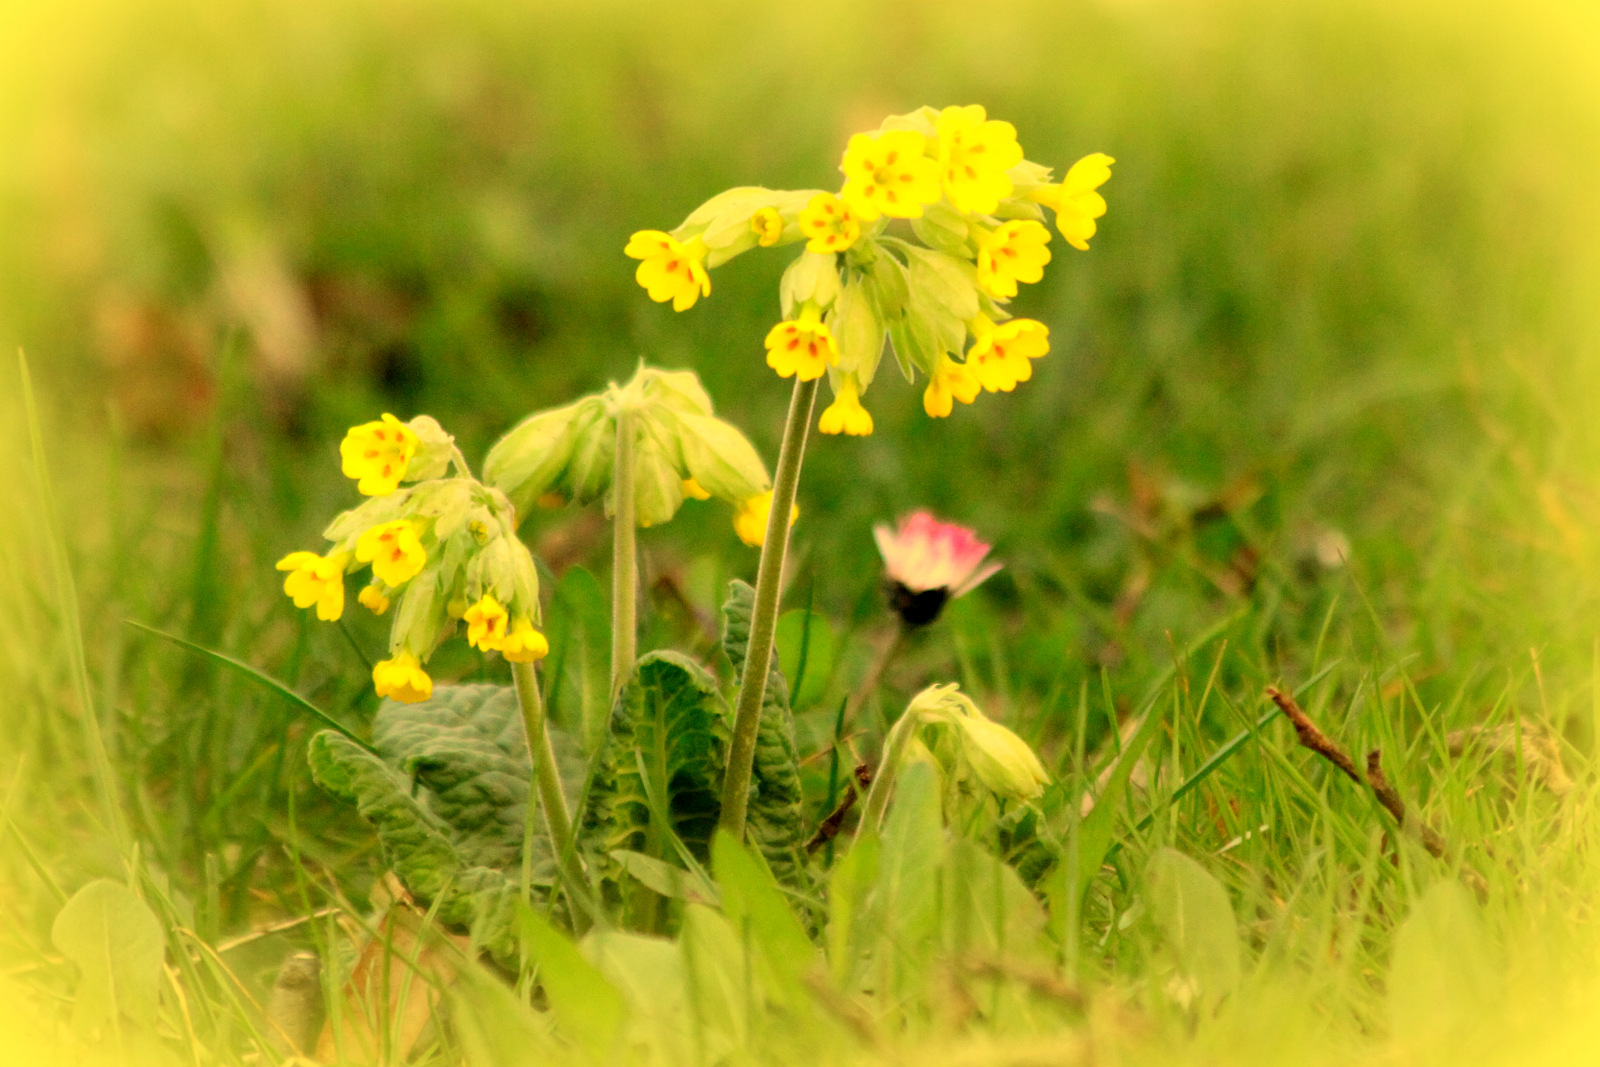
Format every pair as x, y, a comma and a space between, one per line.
670, 721
447, 794
776, 819
467, 754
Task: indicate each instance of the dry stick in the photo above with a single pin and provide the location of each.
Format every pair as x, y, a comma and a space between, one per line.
1323, 745
829, 828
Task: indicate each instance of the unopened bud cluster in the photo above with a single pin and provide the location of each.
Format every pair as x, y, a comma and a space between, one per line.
680, 450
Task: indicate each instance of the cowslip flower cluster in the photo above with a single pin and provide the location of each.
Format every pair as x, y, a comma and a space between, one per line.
976, 210
681, 450
929, 563
444, 548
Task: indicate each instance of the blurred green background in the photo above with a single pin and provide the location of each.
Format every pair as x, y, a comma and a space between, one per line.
1343, 306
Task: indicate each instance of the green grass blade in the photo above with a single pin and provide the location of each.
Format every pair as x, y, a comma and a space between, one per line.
71, 623
258, 677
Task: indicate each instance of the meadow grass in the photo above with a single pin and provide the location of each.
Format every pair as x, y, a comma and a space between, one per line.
1321, 413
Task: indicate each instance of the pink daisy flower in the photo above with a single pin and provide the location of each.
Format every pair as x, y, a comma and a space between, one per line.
930, 563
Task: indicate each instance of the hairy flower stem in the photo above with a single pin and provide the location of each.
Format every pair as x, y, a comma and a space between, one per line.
764, 619
552, 801
894, 748
624, 558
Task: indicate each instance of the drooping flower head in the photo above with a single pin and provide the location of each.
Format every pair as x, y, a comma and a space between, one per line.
524, 644
315, 579
377, 454
829, 224
486, 624
845, 414
1001, 356
950, 381
402, 678
394, 550
670, 269
889, 173
1014, 252
767, 225
930, 563
975, 152
802, 346
1075, 201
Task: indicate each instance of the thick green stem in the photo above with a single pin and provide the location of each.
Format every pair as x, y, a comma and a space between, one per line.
552, 801
764, 620
624, 559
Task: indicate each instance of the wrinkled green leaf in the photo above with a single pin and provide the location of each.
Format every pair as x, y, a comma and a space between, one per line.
118, 945
670, 722
447, 793
1192, 910
775, 822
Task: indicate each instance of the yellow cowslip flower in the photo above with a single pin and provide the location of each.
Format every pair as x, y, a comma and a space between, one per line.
751, 521
694, 490
1014, 252
671, 269
315, 579
402, 678
394, 550
1075, 201
802, 346
829, 223
377, 453
373, 599
950, 381
524, 644
486, 624
845, 414
1000, 355
888, 174
974, 154
767, 225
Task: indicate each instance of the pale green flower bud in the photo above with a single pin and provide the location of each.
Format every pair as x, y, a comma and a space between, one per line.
679, 390
721, 459
434, 450
1002, 761
527, 462
594, 448
812, 278
858, 332
657, 485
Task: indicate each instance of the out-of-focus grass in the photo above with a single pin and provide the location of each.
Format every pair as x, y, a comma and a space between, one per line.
1345, 288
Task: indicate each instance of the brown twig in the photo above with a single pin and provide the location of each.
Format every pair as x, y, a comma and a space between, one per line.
830, 827
1320, 743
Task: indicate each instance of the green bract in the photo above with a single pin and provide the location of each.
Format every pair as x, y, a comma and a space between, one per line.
571, 451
